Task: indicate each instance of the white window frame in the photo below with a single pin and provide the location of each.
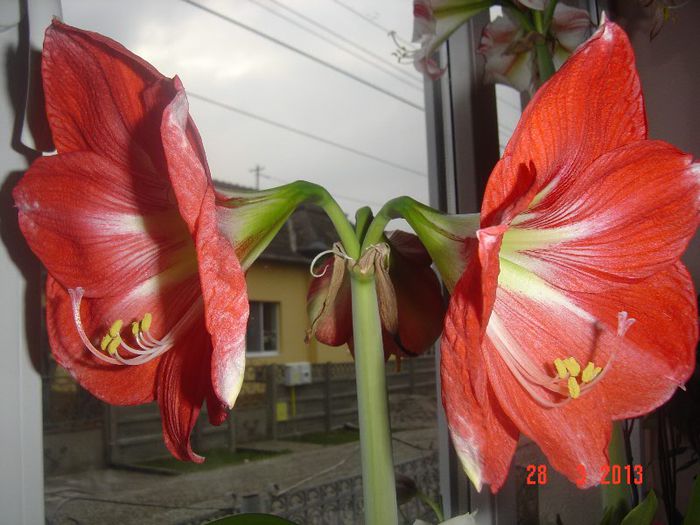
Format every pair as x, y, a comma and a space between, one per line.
21, 434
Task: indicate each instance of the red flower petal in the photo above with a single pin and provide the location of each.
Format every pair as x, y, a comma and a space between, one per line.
183, 383
568, 123
100, 97
421, 307
221, 276
485, 440
532, 331
330, 317
627, 216
97, 226
533, 324
658, 354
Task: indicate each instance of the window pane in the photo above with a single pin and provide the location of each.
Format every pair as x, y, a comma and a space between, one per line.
253, 334
279, 91
270, 327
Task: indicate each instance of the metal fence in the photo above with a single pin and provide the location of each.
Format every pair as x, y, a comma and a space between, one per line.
340, 502
265, 409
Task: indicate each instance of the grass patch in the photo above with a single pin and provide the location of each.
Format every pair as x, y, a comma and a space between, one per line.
334, 437
216, 458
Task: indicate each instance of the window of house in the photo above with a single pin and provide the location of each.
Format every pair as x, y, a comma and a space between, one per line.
262, 335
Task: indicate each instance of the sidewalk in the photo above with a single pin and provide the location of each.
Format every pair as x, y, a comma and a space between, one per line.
124, 497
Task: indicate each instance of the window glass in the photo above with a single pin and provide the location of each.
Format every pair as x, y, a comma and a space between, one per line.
261, 335
279, 91
269, 311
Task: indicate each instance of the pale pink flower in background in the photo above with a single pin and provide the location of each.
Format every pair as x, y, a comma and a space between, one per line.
433, 22
510, 50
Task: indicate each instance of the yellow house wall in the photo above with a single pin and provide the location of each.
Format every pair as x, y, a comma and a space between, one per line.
287, 284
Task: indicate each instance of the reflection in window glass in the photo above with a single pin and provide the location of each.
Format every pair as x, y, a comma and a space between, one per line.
279, 91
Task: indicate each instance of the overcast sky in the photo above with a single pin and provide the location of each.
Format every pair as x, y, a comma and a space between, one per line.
378, 114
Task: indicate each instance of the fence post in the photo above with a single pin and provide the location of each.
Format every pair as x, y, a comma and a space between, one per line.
411, 377
231, 432
271, 390
113, 457
327, 406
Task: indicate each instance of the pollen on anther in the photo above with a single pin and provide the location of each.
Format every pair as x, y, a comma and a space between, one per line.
562, 372
572, 366
105, 342
113, 345
146, 322
116, 328
590, 372
574, 388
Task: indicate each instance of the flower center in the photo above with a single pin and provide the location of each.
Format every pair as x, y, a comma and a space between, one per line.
569, 370
569, 380
144, 346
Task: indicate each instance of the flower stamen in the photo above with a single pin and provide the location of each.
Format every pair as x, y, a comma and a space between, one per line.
148, 346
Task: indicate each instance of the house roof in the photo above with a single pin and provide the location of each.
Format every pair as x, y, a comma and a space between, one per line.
307, 232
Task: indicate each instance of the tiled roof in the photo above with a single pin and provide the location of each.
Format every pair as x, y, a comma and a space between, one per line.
307, 232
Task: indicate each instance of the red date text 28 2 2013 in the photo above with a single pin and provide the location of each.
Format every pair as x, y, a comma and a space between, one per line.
609, 475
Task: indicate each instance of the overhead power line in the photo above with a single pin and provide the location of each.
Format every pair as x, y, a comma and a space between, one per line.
367, 19
305, 134
358, 56
396, 66
304, 54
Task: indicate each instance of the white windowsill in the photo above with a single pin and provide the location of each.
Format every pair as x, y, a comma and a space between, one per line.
268, 353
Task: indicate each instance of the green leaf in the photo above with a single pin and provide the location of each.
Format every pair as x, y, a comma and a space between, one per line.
693, 513
643, 513
252, 519
614, 514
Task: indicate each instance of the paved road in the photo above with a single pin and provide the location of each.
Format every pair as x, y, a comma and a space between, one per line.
123, 497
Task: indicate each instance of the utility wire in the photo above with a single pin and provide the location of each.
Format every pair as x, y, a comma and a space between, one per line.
304, 54
349, 41
305, 134
367, 19
380, 67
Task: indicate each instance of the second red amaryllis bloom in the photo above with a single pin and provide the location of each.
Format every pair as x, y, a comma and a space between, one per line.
146, 298
574, 310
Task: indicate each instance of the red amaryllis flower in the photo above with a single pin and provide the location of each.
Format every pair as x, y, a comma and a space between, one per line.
574, 310
146, 298
410, 302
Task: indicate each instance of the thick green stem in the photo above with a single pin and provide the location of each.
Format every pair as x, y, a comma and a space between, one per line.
549, 14
375, 232
336, 215
545, 65
378, 485
616, 496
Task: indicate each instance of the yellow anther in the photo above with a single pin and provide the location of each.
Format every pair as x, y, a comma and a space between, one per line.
590, 372
146, 322
561, 369
113, 345
116, 328
574, 388
135, 328
572, 366
105, 341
